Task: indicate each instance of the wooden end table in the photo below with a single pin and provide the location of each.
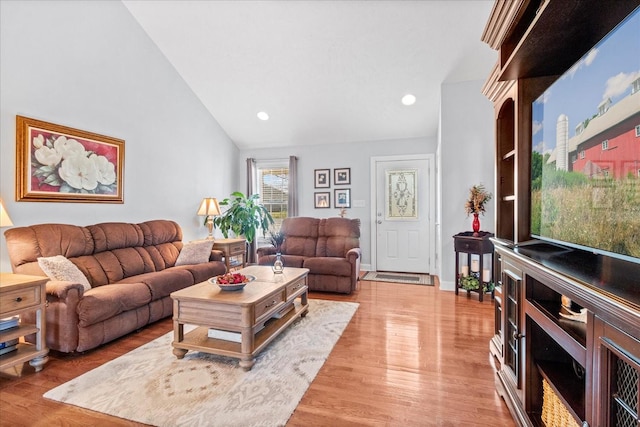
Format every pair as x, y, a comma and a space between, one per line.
21, 294
474, 244
253, 316
232, 249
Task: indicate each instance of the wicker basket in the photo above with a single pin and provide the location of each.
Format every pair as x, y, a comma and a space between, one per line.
554, 413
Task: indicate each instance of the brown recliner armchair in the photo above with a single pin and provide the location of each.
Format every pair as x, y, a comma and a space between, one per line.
329, 248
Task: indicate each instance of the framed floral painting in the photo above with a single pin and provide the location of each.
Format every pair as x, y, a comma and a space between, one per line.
322, 178
60, 164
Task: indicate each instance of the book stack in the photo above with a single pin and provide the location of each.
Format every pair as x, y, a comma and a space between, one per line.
8, 346
11, 345
219, 334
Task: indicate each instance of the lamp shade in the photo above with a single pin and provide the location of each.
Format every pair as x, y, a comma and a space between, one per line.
209, 206
5, 221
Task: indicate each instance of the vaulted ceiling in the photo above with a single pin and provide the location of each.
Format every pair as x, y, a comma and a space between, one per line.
324, 71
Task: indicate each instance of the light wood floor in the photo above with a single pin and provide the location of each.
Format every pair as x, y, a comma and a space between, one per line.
411, 356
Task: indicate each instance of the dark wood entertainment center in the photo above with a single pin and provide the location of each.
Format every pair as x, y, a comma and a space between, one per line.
592, 367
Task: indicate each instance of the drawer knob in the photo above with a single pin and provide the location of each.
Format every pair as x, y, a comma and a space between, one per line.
19, 299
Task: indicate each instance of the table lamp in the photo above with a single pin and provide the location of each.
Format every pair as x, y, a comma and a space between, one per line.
5, 221
209, 208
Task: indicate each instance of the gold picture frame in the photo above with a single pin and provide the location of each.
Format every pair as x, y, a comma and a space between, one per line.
57, 163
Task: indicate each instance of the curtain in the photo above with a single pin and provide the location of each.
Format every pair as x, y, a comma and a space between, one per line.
251, 190
292, 202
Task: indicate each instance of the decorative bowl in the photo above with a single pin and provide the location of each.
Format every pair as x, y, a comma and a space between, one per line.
232, 286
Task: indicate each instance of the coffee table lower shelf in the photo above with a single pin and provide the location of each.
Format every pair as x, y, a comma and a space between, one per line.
198, 340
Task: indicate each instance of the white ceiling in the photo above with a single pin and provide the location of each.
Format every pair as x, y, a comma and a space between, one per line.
324, 71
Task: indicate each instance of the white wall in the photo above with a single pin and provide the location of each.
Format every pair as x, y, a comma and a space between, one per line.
89, 65
466, 151
356, 156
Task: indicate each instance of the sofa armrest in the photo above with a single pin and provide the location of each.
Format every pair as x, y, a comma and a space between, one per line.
61, 333
266, 250
353, 255
60, 289
216, 255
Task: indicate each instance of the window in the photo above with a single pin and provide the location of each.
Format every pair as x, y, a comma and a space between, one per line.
605, 144
638, 130
582, 154
573, 158
273, 187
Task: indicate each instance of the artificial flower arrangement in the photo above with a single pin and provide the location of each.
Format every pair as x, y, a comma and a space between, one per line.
478, 197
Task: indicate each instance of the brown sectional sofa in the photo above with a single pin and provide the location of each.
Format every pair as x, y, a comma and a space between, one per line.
329, 248
131, 270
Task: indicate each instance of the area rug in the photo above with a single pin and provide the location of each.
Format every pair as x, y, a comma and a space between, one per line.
410, 278
150, 385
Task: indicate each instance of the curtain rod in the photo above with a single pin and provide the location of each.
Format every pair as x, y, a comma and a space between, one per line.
274, 158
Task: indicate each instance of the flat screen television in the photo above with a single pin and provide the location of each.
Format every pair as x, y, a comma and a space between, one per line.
585, 159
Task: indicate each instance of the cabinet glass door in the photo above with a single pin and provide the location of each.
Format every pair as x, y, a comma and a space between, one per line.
619, 377
511, 285
621, 388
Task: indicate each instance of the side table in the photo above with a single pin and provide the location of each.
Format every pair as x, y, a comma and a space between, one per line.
473, 244
21, 294
232, 250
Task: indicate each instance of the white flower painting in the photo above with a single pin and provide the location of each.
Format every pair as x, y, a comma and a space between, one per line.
65, 164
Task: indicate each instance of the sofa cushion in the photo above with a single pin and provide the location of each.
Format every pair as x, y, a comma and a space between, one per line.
104, 302
301, 236
205, 271
336, 236
162, 283
60, 268
195, 252
328, 265
288, 260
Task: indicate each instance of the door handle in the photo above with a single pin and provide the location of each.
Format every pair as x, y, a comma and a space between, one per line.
379, 222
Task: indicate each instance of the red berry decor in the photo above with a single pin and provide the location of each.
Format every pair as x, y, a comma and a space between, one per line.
232, 279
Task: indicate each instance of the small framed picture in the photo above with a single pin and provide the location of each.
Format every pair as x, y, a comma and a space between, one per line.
342, 197
323, 178
322, 200
342, 176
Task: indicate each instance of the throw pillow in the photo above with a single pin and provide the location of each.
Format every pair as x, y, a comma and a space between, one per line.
195, 252
60, 268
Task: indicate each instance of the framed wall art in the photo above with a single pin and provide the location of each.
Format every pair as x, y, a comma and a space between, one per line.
342, 176
322, 178
56, 163
322, 200
342, 197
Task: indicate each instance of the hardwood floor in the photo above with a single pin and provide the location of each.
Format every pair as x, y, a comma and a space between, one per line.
411, 356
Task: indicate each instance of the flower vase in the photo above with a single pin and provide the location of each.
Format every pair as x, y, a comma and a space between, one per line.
475, 224
278, 265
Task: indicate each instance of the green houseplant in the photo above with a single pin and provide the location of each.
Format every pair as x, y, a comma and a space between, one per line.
244, 216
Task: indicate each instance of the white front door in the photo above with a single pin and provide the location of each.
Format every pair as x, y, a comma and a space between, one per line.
402, 213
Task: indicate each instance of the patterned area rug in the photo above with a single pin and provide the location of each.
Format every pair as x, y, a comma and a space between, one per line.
409, 278
150, 385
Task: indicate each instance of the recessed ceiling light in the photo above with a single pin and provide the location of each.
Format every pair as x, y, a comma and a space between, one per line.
408, 99
263, 116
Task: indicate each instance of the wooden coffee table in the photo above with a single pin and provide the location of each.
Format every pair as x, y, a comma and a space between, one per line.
254, 316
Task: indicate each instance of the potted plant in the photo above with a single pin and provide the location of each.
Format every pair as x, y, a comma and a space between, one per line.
472, 283
244, 216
